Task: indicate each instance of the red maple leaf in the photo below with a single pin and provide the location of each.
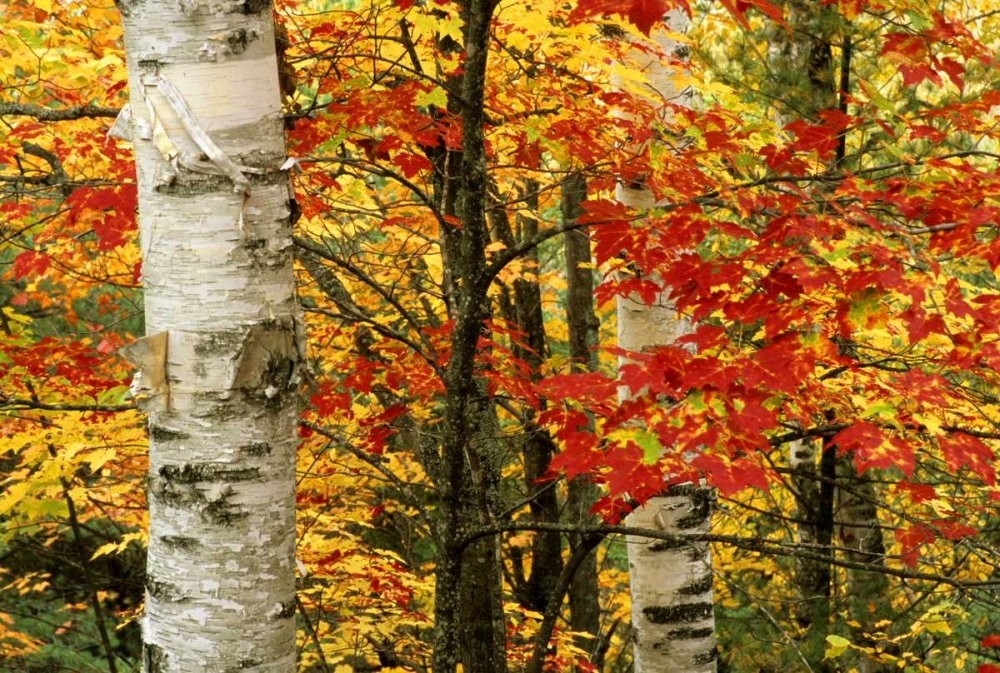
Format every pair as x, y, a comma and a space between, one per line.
30, 263
910, 539
962, 450
411, 164
872, 448
644, 14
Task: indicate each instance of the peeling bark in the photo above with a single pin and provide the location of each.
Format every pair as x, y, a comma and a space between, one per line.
219, 375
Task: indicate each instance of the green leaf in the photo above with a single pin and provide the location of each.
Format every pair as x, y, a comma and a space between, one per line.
650, 445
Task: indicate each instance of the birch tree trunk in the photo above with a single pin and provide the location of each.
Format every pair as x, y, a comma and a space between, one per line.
671, 585
218, 370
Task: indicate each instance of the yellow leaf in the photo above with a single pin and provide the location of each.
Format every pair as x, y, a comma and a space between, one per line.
104, 549
837, 646
99, 458
14, 494
938, 626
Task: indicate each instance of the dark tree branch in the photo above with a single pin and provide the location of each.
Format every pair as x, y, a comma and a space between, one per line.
48, 114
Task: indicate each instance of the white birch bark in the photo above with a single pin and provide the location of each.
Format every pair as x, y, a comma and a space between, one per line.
671, 586
218, 371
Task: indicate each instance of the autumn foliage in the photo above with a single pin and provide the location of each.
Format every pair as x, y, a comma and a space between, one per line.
839, 269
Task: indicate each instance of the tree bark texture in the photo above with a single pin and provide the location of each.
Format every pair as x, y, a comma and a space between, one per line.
218, 371
466, 572
582, 493
671, 586
546, 547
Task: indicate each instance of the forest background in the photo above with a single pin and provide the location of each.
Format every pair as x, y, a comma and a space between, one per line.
815, 202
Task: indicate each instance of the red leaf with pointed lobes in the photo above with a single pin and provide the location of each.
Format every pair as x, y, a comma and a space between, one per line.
911, 539
328, 402
962, 450
819, 138
603, 211
954, 70
872, 448
749, 418
611, 237
579, 454
919, 324
779, 366
412, 164
922, 387
953, 530
766, 8
657, 371
731, 477
644, 14
592, 386
918, 492
710, 373
642, 288
30, 263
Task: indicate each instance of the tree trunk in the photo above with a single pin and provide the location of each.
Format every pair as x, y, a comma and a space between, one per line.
468, 463
219, 370
859, 532
546, 547
814, 511
524, 310
582, 323
671, 585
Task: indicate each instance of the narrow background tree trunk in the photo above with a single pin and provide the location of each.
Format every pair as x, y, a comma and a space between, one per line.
582, 493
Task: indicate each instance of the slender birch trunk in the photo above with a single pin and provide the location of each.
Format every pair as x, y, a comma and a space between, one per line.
218, 370
671, 585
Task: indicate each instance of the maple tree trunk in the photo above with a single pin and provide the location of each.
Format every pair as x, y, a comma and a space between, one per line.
671, 585
523, 308
546, 546
582, 324
218, 371
468, 613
